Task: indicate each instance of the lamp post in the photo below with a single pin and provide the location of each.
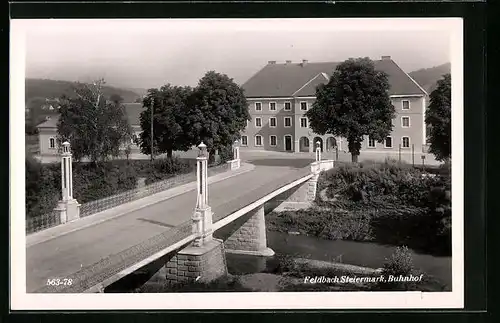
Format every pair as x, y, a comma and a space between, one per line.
318, 151
151, 133
68, 207
202, 217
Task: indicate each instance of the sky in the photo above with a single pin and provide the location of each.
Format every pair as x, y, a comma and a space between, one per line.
151, 53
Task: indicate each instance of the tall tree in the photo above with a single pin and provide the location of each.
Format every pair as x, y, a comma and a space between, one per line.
438, 118
95, 128
170, 115
218, 112
354, 103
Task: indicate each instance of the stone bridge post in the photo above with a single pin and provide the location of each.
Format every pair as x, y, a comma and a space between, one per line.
204, 259
250, 237
68, 207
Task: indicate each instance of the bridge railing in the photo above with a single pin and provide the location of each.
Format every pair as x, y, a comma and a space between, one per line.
52, 219
322, 165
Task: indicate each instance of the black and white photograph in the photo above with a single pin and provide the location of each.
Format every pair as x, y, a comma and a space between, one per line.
237, 163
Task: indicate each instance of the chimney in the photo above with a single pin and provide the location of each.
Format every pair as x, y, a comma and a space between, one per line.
271, 62
304, 62
289, 62
386, 58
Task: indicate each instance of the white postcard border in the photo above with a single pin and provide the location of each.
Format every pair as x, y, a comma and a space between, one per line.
20, 300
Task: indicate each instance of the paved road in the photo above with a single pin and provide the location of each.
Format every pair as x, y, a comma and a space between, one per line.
67, 254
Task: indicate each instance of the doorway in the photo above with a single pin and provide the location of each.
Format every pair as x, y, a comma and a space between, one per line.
288, 143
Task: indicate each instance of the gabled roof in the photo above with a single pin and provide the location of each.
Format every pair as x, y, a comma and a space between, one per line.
133, 111
283, 80
51, 123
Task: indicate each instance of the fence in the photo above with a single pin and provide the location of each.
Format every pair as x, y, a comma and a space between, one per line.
42, 222
52, 219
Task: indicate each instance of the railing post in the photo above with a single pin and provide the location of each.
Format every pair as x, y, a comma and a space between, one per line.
318, 151
68, 207
202, 217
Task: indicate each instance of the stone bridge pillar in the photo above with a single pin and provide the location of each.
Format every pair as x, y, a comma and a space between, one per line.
250, 237
68, 207
235, 162
204, 259
302, 196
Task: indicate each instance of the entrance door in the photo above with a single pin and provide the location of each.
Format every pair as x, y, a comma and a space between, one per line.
288, 143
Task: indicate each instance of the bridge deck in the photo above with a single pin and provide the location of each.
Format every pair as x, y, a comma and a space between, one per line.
93, 254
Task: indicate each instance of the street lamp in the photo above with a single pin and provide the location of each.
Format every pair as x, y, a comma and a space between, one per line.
151, 133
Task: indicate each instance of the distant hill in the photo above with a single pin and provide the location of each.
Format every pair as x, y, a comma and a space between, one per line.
47, 89
428, 77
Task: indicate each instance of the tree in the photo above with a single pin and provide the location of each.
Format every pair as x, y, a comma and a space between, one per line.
170, 115
353, 104
94, 127
438, 118
218, 112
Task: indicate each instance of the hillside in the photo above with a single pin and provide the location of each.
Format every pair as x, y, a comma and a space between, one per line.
38, 88
428, 77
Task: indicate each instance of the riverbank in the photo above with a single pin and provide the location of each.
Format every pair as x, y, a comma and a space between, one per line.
300, 274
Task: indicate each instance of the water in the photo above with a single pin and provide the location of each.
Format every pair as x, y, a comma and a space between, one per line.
365, 254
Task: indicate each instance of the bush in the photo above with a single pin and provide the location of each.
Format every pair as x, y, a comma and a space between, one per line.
165, 168
400, 263
43, 188
390, 202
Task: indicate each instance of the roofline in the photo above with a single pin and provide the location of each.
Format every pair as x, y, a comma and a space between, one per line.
270, 98
307, 83
405, 95
421, 88
313, 97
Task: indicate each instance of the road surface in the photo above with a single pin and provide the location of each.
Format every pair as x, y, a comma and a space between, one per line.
67, 254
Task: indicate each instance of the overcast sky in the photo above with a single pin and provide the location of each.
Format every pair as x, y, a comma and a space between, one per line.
144, 54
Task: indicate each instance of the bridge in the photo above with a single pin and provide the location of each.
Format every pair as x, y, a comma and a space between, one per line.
89, 254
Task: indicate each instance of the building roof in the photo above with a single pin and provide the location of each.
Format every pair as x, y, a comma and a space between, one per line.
132, 110
50, 123
291, 79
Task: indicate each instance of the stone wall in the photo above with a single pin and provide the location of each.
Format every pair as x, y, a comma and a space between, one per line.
250, 237
207, 262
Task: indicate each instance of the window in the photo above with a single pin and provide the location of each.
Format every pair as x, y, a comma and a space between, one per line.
288, 122
288, 106
388, 142
303, 105
406, 104
272, 106
258, 106
258, 122
406, 142
272, 122
272, 140
371, 142
405, 122
52, 143
244, 140
303, 122
258, 140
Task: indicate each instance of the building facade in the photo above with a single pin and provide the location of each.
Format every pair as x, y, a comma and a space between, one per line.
47, 131
279, 95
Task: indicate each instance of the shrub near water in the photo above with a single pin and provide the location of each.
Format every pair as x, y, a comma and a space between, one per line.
389, 203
